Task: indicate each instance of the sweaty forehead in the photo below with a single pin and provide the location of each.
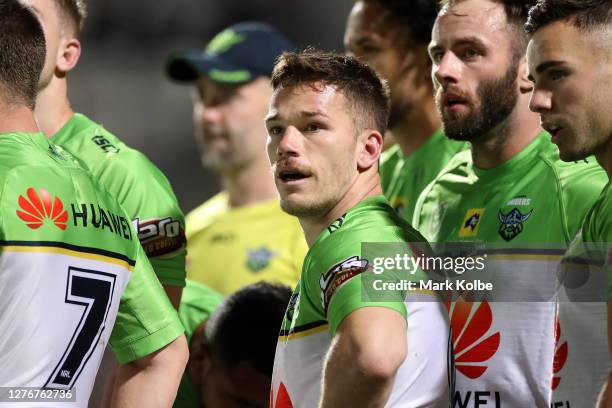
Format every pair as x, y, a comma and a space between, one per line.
471, 19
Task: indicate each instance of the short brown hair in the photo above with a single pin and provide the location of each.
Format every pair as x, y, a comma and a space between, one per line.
75, 11
516, 13
583, 14
367, 94
22, 46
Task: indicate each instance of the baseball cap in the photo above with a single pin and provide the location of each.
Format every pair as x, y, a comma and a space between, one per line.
238, 54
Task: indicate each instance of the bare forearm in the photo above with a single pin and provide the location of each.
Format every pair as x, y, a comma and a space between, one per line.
345, 385
605, 398
151, 381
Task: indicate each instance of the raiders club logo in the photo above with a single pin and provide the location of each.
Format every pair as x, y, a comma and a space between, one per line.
512, 223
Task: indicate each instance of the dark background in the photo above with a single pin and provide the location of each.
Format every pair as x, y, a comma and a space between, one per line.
120, 82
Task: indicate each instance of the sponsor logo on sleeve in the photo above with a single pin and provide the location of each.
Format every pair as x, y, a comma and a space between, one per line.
512, 223
160, 236
471, 222
105, 144
38, 207
335, 226
338, 275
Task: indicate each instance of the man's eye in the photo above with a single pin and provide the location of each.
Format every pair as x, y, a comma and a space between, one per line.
470, 53
436, 57
312, 127
557, 74
275, 131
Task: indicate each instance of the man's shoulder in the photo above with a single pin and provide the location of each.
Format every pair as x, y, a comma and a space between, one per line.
99, 149
206, 213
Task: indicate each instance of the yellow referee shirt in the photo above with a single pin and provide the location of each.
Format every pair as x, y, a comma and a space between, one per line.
228, 248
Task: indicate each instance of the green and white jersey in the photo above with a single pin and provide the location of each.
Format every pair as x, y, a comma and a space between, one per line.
580, 345
71, 271
403, 178
330, 289
139, 186
530, 207
197, 304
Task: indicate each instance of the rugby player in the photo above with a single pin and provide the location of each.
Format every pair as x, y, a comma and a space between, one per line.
241, 235
569, 63
392, 37
66, 281
231, 344
511, 190
127, 174
336, 349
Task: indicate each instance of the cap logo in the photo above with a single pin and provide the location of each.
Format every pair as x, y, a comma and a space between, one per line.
224, 41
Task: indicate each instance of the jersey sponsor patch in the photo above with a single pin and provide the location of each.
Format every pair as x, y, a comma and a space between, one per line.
471, 222
105, 144
160, 236
399, 204
335, 226
512, 223
38, 207
468, 329
337, 275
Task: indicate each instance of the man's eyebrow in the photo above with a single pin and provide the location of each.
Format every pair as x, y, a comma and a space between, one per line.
548, 64
459, 42
308, 114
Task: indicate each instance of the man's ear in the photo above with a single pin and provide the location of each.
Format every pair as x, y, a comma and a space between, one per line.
199, 356
69, 54
525, 85
371, 148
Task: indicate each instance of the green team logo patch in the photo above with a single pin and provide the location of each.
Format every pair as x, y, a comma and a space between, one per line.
512, 223
259, 258
40, 206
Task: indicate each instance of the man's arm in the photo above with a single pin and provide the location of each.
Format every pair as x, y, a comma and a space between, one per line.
151, 381
366, 352
605, 398
174, 294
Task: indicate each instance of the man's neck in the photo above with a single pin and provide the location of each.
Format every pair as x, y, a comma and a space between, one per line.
53, 109
417, 126
507, 139
366, 185
17, 118
251, 184
604, 157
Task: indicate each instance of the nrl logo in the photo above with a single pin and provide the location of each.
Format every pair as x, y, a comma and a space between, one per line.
512, 223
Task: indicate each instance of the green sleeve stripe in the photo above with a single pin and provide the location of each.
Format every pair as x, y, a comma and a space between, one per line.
140, 348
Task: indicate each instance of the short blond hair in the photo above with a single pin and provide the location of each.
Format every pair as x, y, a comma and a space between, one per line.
75, 11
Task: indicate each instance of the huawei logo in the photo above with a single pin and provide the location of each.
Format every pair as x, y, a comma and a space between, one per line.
282, 398
471, 347
38, 207
560, 356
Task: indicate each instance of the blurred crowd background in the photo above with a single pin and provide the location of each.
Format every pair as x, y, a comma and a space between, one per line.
120, 79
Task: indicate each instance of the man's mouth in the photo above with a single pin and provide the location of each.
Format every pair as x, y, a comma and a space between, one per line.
553, 129
453, 101
293, 175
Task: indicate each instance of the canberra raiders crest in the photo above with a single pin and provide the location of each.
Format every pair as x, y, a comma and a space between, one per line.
512, 223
